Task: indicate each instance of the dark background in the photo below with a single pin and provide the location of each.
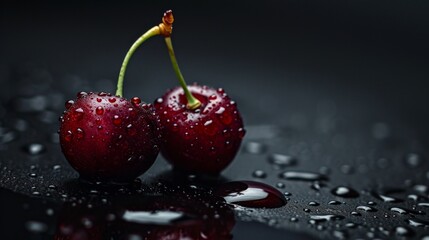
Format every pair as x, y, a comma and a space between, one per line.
351, 76
371, 50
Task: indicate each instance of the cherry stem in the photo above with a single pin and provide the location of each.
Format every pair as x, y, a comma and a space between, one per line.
193, 102
150, 33
165, 28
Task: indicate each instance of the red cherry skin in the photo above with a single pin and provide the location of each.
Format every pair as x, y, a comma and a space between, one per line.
108, 138
204, 140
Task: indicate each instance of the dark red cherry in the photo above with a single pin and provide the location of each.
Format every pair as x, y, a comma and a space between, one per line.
108, 138
205, 139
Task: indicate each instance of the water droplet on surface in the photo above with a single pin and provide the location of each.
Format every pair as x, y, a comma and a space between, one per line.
280, 185
334, 202
6, 136
251, 194
302, 176
313, 204
366, 208
403, 232
423, 204
160, 217
34, 149
413, 160
345, 192
36, 226
87, 222
134, 237
281, 161
259, 174
420, 188
326, 217
33, 175
255, 148
355, 213
317, 185
415, 222
340, 234
398, 210
385, 198
350, 225
49, 212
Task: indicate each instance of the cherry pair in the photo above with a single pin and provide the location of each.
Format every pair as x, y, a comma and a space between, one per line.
110, 138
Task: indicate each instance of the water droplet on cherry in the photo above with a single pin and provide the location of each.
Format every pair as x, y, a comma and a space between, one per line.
69, 103
136, 101
99, 110
79, 133
117, 120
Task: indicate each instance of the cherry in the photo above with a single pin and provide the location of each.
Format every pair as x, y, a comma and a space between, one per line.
108, 138
202, 127
205, 139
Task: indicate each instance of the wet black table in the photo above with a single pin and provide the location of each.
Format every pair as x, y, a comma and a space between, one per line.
337, 90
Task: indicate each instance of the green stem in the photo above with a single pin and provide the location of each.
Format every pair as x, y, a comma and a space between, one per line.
193, 102
150, 33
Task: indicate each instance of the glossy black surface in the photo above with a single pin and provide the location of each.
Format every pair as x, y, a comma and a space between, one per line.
332, 95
